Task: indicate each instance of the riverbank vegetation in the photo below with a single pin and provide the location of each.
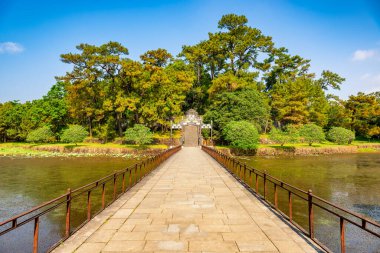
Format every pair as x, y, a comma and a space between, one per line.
237, 73
12, 149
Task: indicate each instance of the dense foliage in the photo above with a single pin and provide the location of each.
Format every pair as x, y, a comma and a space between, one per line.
42, 134
236, 74
241, 134
139, 134
74, 134
340, 135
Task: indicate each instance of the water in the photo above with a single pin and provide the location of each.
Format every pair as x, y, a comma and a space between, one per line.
350, 180
27, 182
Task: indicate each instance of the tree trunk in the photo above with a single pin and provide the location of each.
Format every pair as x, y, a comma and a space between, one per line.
118, 121
212, 69
90, 126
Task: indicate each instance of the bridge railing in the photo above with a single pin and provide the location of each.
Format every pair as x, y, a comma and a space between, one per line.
128, 177
250, 177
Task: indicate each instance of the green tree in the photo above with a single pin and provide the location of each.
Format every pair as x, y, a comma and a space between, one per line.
139, 134
364, 112
289, 102
241, 134
229, 82
74, 134
242, 43
163, 93
282, 67
96, 82
248, 105
337, 114
158, 58
11, 115
340, 135
330, 79
42, 134
312, 133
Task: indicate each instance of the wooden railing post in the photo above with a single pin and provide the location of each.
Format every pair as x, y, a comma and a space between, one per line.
136, 179
257, 183
265, 184
245, 172
114, 186
103, 195
250, 179
290, 207
89, 205
35, 234
130, 178
68, 212
342, 236
123, 184
275, 196
311, 214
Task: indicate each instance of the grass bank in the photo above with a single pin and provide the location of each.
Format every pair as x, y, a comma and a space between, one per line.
302, 149
81, 149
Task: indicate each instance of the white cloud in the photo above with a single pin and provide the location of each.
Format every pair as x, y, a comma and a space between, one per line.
371, 82
371, 78
10, 48
361, 55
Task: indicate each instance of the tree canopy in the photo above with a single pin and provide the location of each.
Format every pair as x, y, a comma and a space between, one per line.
236, 73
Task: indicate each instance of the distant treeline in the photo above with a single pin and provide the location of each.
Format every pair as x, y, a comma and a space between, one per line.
235, 74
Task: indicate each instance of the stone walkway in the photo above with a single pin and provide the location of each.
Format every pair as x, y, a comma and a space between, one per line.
189, 204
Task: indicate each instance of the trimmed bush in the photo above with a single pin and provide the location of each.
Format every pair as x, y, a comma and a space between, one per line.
242, 135
74, 134
312, 133
139, 134
42, 134
340, 135
288, 136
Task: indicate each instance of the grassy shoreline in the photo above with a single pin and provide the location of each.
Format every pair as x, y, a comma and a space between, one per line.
13, 149
303, 149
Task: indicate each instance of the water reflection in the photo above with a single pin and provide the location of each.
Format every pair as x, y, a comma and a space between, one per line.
351, 181
27, 182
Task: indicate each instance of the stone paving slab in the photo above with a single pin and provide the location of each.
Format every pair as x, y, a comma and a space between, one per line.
189, 204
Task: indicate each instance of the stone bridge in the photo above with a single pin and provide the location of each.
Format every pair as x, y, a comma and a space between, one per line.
188, 204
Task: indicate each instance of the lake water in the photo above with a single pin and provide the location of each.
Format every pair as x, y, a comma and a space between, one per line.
352, 181
348, 180
27, 182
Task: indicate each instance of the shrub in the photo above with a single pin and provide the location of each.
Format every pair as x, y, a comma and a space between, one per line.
74, 134
241, 134
42, 134
340, 135
312, 133
288, 136
139, 134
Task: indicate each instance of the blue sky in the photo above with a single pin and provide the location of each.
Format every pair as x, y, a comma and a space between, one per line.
342, 36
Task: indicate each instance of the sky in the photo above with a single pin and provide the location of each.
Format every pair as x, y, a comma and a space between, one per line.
341, 36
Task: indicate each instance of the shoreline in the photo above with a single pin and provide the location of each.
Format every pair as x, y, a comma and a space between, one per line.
125, 151
304, 150
80, 150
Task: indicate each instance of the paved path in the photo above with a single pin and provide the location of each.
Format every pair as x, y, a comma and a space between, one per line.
189, 204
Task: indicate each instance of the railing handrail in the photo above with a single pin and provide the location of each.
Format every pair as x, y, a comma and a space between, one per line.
53, 204
309, 197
